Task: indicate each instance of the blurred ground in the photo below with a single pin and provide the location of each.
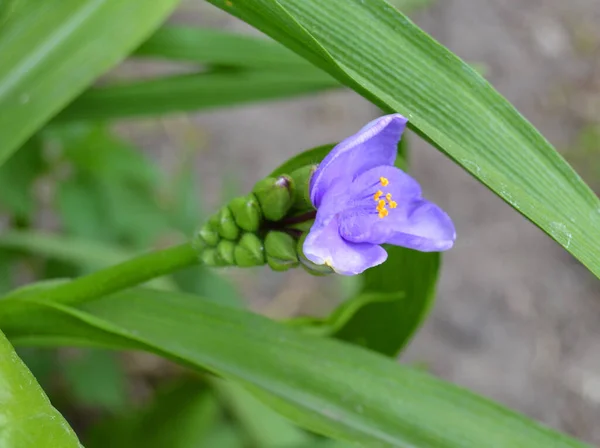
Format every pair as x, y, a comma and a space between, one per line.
517, 318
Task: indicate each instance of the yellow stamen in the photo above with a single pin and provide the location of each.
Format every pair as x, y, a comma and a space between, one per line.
383, 213
384, 181
377, 195
388, 196
381, 205
393, 204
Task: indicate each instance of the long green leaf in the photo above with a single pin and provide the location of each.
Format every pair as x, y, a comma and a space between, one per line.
387, 325
220, 48
52, 50
27, 419
182, 414
71, 250
373, 48
337, 389
192, 92
264, 427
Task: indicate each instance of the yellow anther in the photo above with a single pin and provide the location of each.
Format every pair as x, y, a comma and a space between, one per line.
388, 196
383, 213
377, 195
384, 181
393, 204
381, 205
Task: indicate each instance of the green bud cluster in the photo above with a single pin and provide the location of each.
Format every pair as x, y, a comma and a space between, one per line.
266, 226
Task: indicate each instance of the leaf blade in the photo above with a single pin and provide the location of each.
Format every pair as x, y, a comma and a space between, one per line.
387, 326
27, 419
52, 50
191, 93
328, 386
219, 48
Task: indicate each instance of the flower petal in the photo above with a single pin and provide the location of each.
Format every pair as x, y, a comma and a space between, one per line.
374, 145
324, 245
414, 223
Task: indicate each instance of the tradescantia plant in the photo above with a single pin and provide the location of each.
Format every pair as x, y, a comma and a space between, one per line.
341, 210
347, 209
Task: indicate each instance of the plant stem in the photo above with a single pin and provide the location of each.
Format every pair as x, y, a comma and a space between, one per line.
115, 278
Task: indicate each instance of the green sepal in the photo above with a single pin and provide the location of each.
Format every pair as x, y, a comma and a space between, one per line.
225, 252
309, 266
249, 251
275, 196
228, 228
301, 177
208, 236
280, 248
246, 212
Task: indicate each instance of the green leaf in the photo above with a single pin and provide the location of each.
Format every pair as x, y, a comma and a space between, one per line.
220, 48
95, 378
7, 260
407, 6
331, 387
94, 150
191, 93
27, 419
81, 252
69, 249
112, 192
181, 415
53, 50
17, 177
265, 427
386, 326
371, 47
311, 156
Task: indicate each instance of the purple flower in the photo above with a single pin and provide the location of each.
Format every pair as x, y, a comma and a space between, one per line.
363, 201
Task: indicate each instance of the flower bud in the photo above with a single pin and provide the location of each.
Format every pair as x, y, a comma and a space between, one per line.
309, 266
281, 251
246, 212
208, 256
301, 178
275, 196
207, 235
228, 229
225, 252
249, 251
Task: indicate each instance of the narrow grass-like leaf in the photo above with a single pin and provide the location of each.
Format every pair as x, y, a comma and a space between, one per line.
182, 414
311, 156
54, 49
220, 48
387, 325
373, 48
80, 252
328, 386
27, 419
264, 427
63, 248
191, 93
